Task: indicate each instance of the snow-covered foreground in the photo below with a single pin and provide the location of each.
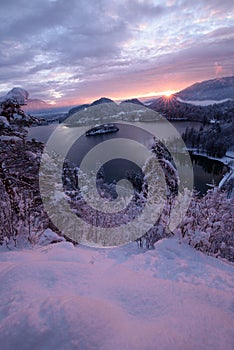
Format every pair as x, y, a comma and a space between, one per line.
65, 297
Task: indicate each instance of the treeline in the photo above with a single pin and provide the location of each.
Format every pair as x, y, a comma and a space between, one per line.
214, 142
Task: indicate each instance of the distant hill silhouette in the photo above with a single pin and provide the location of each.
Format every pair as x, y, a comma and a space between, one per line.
94, 103
102, 100
36, 104
135, 101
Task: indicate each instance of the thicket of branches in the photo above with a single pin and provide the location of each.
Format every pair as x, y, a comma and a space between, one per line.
209, 224
22, 218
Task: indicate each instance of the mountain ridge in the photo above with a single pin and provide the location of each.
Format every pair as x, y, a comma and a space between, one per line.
213, 89
216, 90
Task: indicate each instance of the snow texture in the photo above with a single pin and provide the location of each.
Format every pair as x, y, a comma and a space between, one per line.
66, 297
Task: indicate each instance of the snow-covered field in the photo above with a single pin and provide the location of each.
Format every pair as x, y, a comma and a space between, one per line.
66, 297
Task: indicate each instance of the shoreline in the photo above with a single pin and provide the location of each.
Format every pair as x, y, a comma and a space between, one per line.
226, 160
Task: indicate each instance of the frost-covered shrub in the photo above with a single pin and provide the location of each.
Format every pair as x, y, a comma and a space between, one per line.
13, 119
209, 224
22, 217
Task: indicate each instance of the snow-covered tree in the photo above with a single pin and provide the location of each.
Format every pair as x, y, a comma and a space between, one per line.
13, 120
21, 216
209, 224
164, 187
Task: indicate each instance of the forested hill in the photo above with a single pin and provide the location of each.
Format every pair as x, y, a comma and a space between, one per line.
214, 89
171, 108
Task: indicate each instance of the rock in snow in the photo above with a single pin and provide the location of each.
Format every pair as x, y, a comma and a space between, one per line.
49, 237
65, 297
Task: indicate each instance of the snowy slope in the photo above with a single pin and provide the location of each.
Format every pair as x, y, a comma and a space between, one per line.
65, 297
213, 89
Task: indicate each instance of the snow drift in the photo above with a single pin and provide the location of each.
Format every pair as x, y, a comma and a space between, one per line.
66, 297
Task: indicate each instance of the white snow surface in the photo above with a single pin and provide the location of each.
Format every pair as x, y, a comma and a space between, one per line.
66, 297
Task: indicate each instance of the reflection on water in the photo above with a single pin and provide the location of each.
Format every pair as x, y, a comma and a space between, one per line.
206, 171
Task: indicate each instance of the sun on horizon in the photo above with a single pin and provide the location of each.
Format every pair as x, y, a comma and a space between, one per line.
168, 93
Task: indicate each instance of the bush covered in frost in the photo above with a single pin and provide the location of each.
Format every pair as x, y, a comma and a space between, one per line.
209, 224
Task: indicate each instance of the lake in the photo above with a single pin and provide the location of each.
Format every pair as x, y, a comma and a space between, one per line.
206, 171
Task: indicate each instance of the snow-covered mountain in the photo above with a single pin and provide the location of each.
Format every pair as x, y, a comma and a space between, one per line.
214, 89
22, 97
18, 94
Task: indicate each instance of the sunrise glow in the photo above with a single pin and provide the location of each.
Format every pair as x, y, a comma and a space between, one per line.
70, 64
168, 93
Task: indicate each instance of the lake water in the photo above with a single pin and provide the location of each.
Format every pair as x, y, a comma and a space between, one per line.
206, 171
42, 133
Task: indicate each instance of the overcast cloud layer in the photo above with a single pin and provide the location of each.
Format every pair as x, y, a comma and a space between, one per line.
71, 51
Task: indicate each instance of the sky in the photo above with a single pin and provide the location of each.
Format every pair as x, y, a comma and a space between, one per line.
68, 52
